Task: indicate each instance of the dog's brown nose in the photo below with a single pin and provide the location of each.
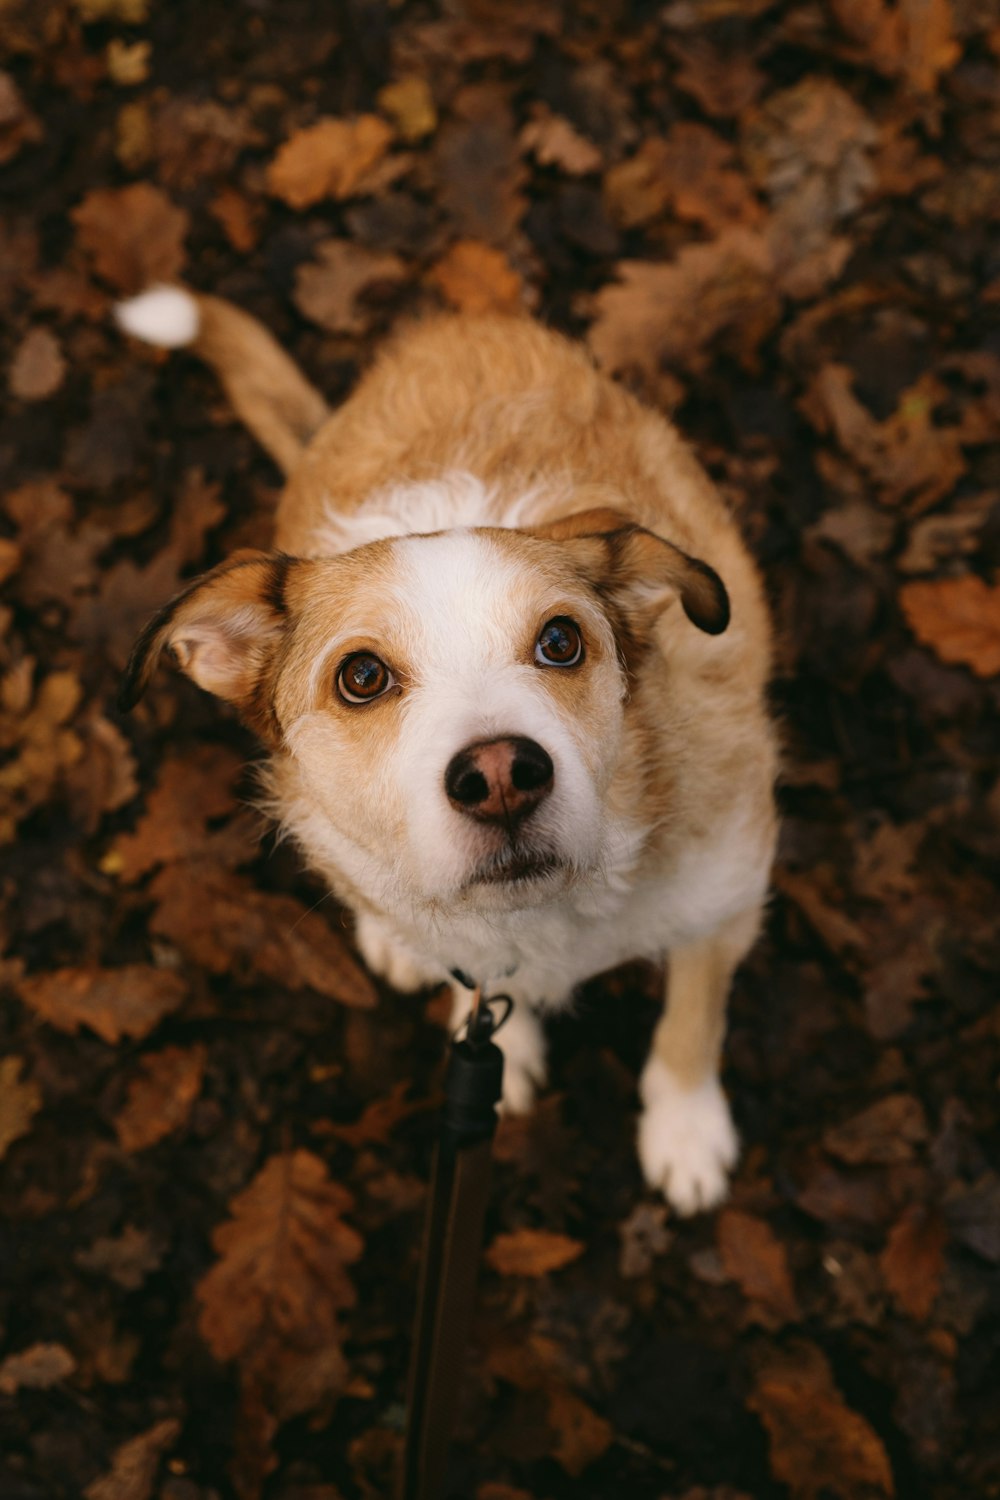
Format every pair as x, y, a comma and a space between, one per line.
499, 781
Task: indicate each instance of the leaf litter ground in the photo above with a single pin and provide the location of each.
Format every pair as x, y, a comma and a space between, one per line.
777, 222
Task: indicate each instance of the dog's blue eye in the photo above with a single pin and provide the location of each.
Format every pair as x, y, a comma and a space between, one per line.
363, 677
559, 645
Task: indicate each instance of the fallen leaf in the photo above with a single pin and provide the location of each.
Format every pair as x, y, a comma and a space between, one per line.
581, 1434
128, 1001
913, 1260
720, 293
379, 1119
134, 235
239, 217
692, 172
37, 1368
819, 1446
959, 618
532, 1252
161, 1097
885, 1132
221, 922
19, 127
479, 169
725, 83
475, 278
553, 142
644, 1236
331, 159
20, 1101
409, 104
197, 140
126, 1258
755, 1258
103, 780
38, 367
274, 1300
194, 792
329, 289
135, 1464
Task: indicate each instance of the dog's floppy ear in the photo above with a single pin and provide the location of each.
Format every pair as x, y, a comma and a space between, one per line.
223, 630
640, 571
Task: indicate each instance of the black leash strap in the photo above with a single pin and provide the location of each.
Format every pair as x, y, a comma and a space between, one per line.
453, 1241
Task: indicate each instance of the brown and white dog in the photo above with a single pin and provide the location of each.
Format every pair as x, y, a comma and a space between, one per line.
510, 662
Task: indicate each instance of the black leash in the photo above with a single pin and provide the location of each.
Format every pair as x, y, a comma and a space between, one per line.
453, 1242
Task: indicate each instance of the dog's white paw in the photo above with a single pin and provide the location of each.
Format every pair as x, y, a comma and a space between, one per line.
687, 1141
386, 955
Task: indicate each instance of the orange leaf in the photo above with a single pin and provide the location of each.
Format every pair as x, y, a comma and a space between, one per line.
330, 159
959, 618
532, 1252
476, 278
129, 1001
134, 1466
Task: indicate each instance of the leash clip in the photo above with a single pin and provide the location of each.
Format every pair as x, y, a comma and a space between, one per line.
481, 1025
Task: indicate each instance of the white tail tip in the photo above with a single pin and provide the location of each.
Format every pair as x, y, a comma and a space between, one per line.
164, 315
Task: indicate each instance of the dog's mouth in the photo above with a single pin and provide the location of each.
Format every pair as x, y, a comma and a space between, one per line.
516, 867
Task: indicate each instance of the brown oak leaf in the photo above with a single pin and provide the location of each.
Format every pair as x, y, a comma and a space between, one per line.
194, 790
913, 1260
476, 278
161, 1097
959, 618
753, 1256
129, 1001
134, 235
220, 921
819, 1446
20, 1101
331, 159
330, 288
720, 292
532, 1252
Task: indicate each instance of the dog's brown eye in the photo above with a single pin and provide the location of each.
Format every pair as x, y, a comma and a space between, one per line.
559, 645
363, 677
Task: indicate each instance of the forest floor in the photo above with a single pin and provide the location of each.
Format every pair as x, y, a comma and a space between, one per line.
779, 223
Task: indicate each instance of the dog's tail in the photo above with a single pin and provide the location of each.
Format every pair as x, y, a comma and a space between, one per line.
268, 392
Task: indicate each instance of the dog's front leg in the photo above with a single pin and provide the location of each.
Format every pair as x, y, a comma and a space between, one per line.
522, 1042
687, 1141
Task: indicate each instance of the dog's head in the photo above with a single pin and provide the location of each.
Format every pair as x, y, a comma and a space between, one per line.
452, 704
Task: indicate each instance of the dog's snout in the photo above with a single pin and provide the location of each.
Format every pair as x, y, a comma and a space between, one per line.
499, 781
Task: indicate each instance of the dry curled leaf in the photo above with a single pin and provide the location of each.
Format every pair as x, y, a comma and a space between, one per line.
194, 792
887, 1131
134, 235
554, 142
409, 104
581, 1435
128, 1001
959, 618
331, 159
20, 1101
161, 1097
532, 1252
